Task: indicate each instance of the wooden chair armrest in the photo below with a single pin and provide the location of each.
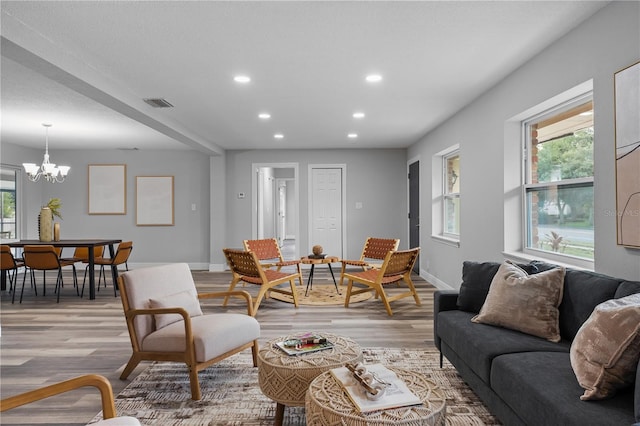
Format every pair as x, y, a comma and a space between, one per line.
236, 293
100, 382
153, 311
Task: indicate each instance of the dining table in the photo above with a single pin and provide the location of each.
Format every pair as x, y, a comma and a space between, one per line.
90, 244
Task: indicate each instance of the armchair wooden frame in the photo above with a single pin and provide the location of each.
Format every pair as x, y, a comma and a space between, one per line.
268, 250
374, 249
188, 356
245, 266
397, 266
97, 381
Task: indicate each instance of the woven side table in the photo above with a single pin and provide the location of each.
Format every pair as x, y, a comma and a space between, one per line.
285, 378
327, 404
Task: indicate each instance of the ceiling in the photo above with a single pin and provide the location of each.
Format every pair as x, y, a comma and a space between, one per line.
86, 67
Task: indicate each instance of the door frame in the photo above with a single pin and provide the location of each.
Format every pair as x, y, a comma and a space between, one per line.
254, 197
343, 200
411, 161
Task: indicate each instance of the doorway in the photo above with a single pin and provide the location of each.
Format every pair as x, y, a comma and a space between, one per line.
275, 206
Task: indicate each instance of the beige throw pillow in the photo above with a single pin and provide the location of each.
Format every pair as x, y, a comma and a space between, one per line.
523, 302
183, 299
604, 353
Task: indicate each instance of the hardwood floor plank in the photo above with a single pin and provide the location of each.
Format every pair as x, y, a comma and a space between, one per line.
43, 342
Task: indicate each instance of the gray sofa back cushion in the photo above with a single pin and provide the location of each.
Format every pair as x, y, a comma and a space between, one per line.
627, 288
476, 280
583, 291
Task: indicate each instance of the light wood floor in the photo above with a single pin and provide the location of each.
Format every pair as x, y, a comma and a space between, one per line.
43, 342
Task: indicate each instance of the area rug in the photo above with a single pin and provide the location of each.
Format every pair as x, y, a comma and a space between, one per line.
160, 395
322, 295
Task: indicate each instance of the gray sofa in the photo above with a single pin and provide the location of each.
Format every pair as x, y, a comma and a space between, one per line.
527, 380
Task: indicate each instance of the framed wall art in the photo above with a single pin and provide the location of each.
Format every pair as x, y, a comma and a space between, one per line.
107, 188
627, 129
154, 201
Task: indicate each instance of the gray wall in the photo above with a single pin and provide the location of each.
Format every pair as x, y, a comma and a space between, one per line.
604, 44
376, 178
187, 241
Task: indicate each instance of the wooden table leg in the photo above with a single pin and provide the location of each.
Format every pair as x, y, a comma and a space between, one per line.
279, 414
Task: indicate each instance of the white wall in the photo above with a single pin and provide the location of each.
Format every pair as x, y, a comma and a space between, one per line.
602, 45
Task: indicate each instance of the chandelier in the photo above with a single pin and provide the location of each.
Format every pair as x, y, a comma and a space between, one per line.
47, 170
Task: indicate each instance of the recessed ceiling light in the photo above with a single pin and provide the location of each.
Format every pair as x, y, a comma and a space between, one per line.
264, 115
278, 136
242, 79
352, 135
358, 115
374, 78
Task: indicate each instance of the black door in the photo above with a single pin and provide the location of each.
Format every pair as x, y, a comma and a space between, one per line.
414, 209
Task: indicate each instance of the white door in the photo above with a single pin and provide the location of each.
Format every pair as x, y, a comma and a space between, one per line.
282, 211
326, 210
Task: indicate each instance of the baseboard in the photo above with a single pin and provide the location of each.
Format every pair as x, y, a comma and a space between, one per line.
437, 283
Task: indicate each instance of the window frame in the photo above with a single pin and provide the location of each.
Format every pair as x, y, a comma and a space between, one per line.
448, 195
17, 199
438, 182
527, 186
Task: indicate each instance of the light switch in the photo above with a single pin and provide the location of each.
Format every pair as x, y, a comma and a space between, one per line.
240, 194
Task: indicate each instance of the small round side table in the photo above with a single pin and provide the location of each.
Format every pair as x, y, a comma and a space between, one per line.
286, 378
327, 404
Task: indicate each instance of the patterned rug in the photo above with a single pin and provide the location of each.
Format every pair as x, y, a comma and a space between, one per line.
322, 295
160, 395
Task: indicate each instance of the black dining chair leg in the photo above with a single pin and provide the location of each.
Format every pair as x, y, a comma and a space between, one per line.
15, 290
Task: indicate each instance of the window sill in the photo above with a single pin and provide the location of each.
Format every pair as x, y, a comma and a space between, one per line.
446, 240
519, 256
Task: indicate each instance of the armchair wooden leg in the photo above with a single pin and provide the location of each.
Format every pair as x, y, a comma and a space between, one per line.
196, 395
258, 299
231, 287
342, 274
347, 297
294, 293
131, 365
383, 296
254, 353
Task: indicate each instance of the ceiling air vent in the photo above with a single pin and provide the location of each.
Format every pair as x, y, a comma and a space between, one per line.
158, 103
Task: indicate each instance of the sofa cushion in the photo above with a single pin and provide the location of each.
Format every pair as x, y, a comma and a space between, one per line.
476, 280
627, 288
605, 352
583, 291
478, 344
523, 302
187, 300
542, 389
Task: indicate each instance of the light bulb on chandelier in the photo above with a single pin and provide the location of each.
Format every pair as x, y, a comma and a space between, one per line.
49, 171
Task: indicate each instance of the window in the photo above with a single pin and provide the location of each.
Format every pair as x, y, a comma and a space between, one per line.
9, 210
451, 195
445, 209
558, 189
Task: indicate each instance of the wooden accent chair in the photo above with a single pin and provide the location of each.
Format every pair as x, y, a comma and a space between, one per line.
97, 381
373, 253
268, 253
397, 266
166, 323
245, 266
122, 255
9, 265
44, 258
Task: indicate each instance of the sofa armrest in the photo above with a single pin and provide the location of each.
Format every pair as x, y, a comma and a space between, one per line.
443, 300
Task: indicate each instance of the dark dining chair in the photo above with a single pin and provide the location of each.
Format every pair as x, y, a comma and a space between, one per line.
9, 265
44, 258
121, 257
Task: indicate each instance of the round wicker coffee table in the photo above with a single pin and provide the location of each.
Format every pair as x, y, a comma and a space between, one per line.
327, 404
286, 378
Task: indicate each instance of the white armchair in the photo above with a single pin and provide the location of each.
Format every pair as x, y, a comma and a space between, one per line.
166, 323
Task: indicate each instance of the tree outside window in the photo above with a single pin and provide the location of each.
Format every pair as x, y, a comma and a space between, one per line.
559, 188
451, 193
